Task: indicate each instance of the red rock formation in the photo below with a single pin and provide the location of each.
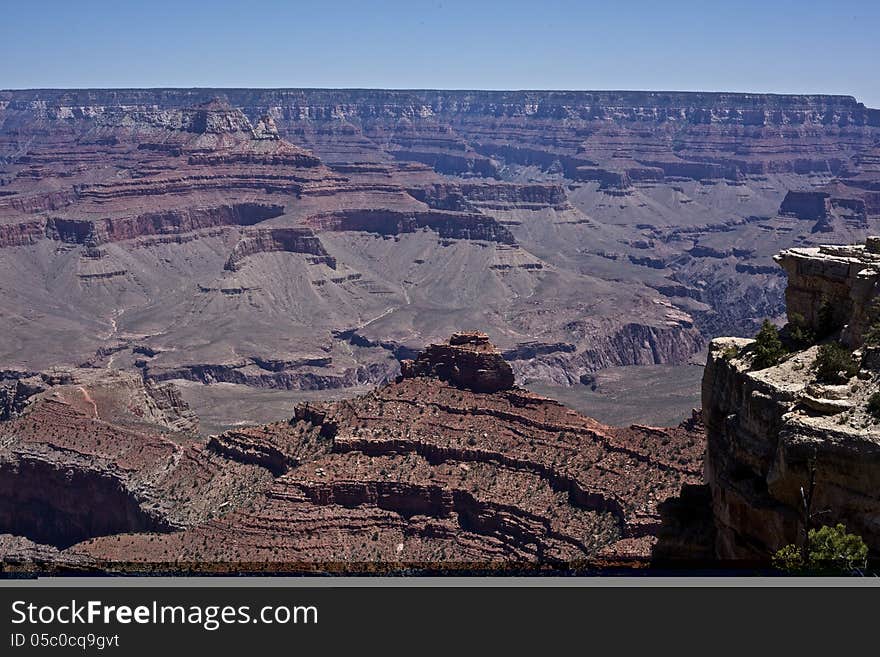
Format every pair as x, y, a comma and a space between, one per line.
805, 205
21, 234
420, 473
159, 223
93, 453
469, 361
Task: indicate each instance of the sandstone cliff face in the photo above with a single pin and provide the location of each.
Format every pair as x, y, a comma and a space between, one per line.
767, 429
843, 279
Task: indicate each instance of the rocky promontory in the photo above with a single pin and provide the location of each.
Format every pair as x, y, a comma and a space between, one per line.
775, 432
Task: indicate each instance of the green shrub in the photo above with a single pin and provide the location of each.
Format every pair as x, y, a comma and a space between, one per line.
872, 335
767, 350
874, 404
834, 364
730, 352
789, 559
831, 551
832, 548
800, 335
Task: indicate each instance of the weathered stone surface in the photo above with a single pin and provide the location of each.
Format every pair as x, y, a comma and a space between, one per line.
100, 453
845, 279
825, 406
267, 240
806, 205
766, 429
469, 360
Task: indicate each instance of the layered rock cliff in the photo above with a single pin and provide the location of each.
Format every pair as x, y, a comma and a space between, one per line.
337, 231
772, 431
89, 453
842, 280
290, 240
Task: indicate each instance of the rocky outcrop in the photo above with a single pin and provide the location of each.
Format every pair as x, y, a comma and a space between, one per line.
422, 473
21, 234
468, 360
449, 225
805, 205
289, 240
171, 222
36, 203
265, 447
166, 407
454, 164
491, 196
841, 280
16, 390
771, 431
764, 434
98, 453
183, 221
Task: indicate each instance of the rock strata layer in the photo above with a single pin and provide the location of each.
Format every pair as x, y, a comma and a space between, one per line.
220, 231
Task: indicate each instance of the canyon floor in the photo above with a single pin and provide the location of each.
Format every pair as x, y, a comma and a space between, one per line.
658, 395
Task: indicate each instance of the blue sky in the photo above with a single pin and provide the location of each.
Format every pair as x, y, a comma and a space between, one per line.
783, 46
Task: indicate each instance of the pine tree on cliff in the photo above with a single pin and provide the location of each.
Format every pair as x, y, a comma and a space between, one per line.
768, 349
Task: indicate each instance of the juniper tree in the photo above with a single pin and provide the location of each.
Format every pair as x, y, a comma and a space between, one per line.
768, 349
834, 364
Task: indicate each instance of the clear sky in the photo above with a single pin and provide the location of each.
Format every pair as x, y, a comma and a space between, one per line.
781, 46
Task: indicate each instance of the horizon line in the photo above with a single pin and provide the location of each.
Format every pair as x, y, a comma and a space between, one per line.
716, 92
